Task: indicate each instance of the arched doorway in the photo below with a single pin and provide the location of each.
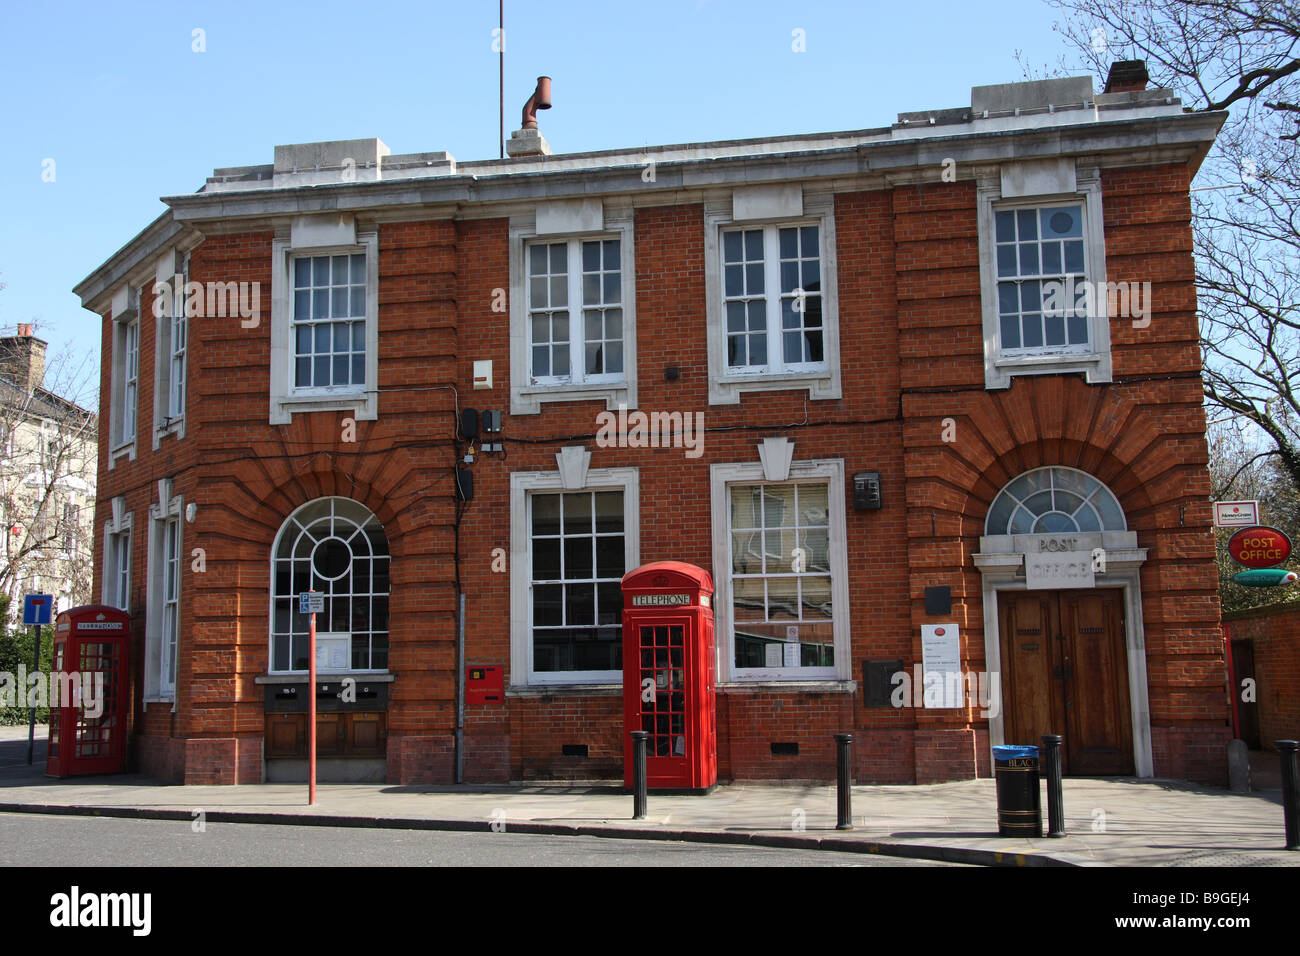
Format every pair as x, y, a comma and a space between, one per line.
1063, 621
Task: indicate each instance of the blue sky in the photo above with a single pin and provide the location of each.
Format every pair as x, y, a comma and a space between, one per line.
117, 97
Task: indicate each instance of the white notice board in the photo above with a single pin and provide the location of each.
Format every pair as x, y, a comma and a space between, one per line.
332, 652
1236, 514
941, 657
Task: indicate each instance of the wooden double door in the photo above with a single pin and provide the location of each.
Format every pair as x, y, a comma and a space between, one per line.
1065, 671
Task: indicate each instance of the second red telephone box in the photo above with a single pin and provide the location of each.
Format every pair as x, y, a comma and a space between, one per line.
668, 664
91, 667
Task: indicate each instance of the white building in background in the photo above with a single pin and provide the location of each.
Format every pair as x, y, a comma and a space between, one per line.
48, 447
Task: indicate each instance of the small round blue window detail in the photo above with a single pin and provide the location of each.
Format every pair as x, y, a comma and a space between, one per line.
1061, 222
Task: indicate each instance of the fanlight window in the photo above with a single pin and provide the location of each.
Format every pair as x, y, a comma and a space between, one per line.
335, 546
1054, 501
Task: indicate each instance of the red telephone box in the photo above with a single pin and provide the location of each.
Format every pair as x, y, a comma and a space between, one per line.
88, 729
668, 675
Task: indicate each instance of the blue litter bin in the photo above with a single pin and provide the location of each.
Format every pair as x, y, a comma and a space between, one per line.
1020, 808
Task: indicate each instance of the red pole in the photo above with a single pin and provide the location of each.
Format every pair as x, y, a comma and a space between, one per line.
311, 712
1234, 692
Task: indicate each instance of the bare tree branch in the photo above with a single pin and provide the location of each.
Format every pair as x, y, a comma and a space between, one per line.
1242, 56
48, 459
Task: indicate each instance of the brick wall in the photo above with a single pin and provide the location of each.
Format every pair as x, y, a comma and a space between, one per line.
1143, 436
1274, 634
912, 358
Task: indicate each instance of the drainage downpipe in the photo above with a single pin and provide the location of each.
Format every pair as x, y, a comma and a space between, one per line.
460, 690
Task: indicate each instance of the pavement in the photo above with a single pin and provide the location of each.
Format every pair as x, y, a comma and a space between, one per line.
1109, 821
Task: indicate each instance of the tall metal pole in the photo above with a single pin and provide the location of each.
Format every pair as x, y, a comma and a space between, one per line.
460, 691
31, 715
311, 711
501, 66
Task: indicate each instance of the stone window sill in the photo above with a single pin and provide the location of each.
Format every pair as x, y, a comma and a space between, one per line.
528, 399
805, 686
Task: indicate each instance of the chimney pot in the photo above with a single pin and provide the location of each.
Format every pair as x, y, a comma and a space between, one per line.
540, 100
528, 139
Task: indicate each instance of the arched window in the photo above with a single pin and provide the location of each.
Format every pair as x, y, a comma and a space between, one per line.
1054, 501
335, 546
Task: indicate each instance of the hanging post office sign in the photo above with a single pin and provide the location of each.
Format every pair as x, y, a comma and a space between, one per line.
1259, 547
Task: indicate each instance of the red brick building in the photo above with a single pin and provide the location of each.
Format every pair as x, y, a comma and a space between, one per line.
1265, 646
879, 393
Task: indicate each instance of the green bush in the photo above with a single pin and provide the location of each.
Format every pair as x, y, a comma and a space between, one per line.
16, 648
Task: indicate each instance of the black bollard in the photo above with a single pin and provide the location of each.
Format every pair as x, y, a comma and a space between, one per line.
1286, 750
1055, 796
638, 774
843, 782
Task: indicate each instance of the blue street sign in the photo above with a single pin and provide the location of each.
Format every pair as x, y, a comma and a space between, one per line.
311, 602
38, 608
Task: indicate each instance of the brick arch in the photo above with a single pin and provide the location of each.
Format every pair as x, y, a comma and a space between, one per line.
302, 488
1039, 423
271, 503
